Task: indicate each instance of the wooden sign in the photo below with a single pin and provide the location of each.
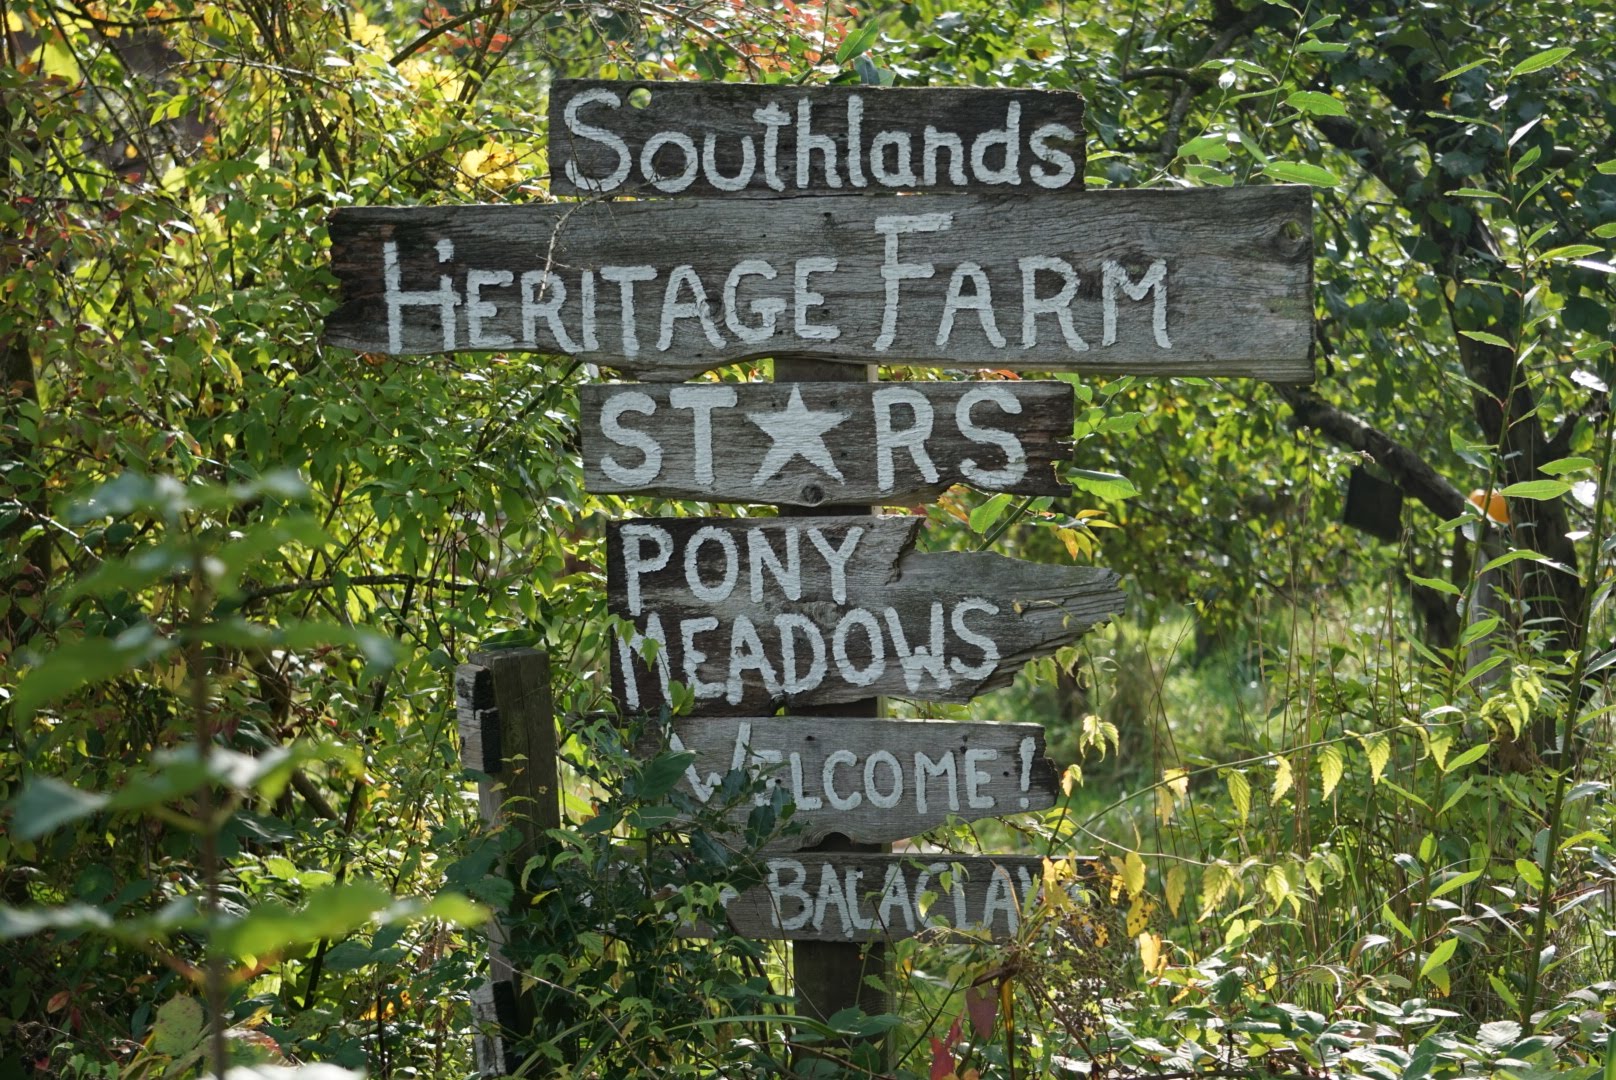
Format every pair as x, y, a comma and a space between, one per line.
871, 781
803, 444
846, 897
1208, 281
754, 614
737, 139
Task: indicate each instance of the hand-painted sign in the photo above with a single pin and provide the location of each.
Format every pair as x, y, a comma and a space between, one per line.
846, 897
804, 444
655, 138
1210, 281
753, 614
871, 781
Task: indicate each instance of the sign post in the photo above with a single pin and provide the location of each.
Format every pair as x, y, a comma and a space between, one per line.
763, 223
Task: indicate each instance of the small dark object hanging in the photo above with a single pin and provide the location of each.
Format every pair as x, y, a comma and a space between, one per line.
1374, 506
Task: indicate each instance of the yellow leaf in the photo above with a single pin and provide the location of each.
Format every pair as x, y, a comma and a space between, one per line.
1133, 874
1283, 779
1175, 887
1332, 765
1177, 781
1379, 750
1439, 742
1277, 886
1139, 913
1215, 884
1150, 954
1240, 793
1071, 778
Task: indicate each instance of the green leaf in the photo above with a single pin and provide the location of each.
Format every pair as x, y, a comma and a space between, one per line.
1455, 883
1323, 48
1515, 556
1572, 251
1536, 489
1438, 584
1311, 101
985, 516
1106, 485
1529, 873
1461, 69
46, 803
1439, 956
1459, 761
1605, 231
178, 1026
1332, 766
1299, 172
1478, 629
857, 42
1475, 193
1539, 61
1489, 339
1239, 793
1566, 465
1607, 168
86, 661
662, 772
333, 912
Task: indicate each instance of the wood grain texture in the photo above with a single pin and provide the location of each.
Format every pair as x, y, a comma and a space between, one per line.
871, 781
507, 730
1209, 281
811, 444
742, 139
756, 614
853, 897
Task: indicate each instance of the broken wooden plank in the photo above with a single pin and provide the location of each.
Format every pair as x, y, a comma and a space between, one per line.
769, 140
1207, 281
753, 614
870, 781
812, 444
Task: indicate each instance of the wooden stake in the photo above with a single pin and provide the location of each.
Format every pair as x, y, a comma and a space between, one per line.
507, 730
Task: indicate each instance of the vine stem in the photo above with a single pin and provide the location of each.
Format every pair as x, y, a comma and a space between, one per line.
1568, 723
207, 813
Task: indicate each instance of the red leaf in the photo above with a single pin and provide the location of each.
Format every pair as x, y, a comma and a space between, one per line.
982, 1005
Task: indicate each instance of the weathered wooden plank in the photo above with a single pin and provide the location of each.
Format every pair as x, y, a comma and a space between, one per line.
754, 614
849, 897
751, 139
871, 781
811, 444
1209, 281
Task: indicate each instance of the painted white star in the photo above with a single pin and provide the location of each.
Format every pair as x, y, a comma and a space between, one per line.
797, 431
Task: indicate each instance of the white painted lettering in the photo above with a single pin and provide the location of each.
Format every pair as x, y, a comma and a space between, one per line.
858, 617
694, 657
837, 558
799, 795
760, 554
893, 272
766, 309
1001, 897
990, 648
895, 894
780, 890
746, 653
478, 309
925, 767
773, 118
830, 893
444, 297
635, 565
709, 164
631, 648
630, 401
804, 298
889, 439
855, 149
586, 329
975, 777
1059, 305
827, 780
1008, 137
790, 625
600, 135
888, 799
808, 142
626, 276
730, 554
697, 308
543, 293
1155, 280
980, 301
922, 659
669, 182
900, 173
701, 401
934, 142
1065, 167
1015, 455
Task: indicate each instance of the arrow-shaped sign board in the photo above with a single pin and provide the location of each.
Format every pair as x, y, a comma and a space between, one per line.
870, 781
845, 897
807, 444
752, 614
1207, 281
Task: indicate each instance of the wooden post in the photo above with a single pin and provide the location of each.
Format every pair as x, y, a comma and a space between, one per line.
829, 976
507, 730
